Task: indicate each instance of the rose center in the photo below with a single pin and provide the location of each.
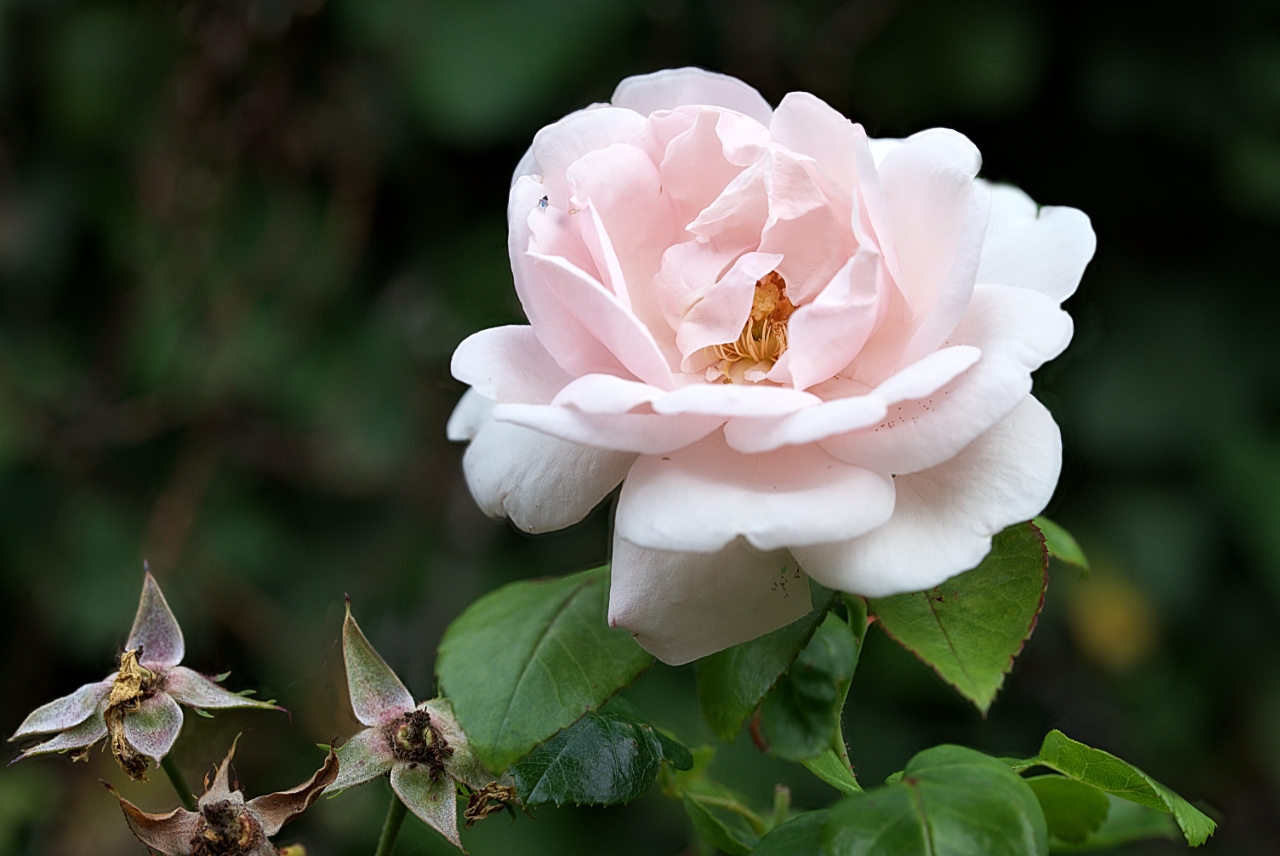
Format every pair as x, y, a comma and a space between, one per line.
763, 338
225, 829
415, 740
134, 684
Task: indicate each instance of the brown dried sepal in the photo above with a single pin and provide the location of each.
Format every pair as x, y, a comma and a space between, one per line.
414, 739
490, 799
134, 685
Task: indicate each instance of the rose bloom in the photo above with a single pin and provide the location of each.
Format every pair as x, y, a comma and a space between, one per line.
802, 352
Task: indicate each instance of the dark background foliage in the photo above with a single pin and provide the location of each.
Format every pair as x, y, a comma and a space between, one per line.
240, 238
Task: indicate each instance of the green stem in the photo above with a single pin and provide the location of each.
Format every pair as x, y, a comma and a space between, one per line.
391, 826
752, 819
179, 782
781, 804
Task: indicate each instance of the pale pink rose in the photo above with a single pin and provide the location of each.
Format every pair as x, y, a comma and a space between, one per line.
802, 352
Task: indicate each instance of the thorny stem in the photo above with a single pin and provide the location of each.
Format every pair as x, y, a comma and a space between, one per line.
179, 782
391, 826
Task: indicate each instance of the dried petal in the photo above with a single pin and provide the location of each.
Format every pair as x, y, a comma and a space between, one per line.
463, 765
377, 695
193, 689
82, 736
169, 833
221, 785
275, 810
66, 712
154, 726
433, 800
365, 756
155, 630
490, 799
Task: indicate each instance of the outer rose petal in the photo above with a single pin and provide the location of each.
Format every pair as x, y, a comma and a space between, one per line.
703, 497
646, 433
193, 689
508, 364
945, 516
66, 712
154, 726
559, 144
676, 87
377, 695
365, 756
840, 415
434, 802
1017, 330
938, 214
167, 833
682, 606
155, 630
1045, 249
540, 482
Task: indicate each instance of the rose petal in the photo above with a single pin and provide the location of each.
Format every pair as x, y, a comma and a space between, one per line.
825, 335
734, 399
559, 144
1045, 249
195, 690
85, 734
377, 695
682, 606
717, 310
538, 481
154, 726
598, 310
275, 810
840, 415
155, 630
692, 164
365, 756
937, 214
527, 165
508, 364
435, 802
945, 516
66, 712
220, 789
633, 221
571, 344
809, 224
646, 433
675, 87
703, 497
1017, 331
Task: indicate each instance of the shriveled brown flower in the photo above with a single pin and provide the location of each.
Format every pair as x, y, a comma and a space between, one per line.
225, 824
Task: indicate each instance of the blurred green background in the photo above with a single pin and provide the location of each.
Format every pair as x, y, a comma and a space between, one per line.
239, 240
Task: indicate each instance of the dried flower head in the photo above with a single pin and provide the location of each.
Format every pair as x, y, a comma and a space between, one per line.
225, 823
420, 746
137, 707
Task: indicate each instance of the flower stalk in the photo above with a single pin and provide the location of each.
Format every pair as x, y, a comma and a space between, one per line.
396, 812
179, 782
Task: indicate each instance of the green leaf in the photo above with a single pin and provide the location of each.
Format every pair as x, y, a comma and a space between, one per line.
971, 627
1060, 544
732, 682
1072, 810
607, 757
674, 752
800, 717
717, 826
1108, 773
531, 658
1126, 822
799, 836
832, 769
951, 801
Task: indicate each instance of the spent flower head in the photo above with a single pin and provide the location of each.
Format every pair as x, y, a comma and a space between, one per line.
421, 746
137, 708
225, 824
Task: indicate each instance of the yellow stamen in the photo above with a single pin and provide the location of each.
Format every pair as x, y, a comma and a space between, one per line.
764, 337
